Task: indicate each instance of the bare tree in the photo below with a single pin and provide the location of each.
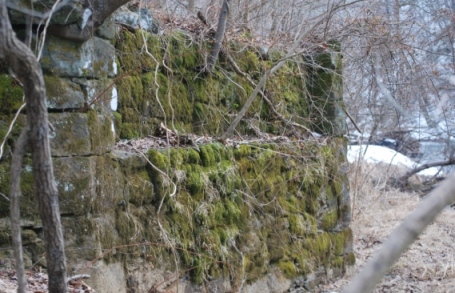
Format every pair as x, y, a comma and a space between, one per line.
27, 69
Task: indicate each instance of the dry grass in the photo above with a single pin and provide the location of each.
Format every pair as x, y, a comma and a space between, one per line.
428, 265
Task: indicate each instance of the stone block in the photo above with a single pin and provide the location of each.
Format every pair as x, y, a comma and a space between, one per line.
94, 58
101, 94
81, 134
62, 93
71, 135
75, 180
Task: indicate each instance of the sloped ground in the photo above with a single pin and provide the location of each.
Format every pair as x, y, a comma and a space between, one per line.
427, 266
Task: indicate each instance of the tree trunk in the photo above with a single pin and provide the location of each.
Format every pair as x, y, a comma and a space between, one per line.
27, 69
219, 36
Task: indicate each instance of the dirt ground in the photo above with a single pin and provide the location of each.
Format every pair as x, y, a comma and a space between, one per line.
428, 265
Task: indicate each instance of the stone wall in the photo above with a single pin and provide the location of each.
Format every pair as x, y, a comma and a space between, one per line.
259, 216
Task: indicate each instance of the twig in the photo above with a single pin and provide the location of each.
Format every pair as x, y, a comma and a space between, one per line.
77, 277
4, 196
10, 128
94, 100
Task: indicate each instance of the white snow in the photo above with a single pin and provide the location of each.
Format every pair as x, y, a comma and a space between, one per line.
113, 127
377, 154
114, 66
114, 99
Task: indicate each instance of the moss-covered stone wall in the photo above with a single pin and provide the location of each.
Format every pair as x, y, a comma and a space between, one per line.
220, 216
162, 81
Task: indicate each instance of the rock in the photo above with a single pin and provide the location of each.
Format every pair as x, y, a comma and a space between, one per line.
142, 19
94, 58
62, 93
100, 94
72, 134
107, 29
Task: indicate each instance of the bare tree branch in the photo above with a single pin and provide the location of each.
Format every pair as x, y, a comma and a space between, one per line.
403, 179
402, 237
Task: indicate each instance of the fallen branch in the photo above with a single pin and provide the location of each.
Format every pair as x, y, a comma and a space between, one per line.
78, 277
403, 179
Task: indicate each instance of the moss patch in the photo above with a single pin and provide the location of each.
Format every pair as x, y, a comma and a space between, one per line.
11, 94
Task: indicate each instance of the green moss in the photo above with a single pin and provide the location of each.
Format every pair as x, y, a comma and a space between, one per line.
349, 259
242, 150
140, 189
131, 47
193, 156
320, 246
28, 203
101, 136
338, 262
11, 95
208, 157
329, 220
288, 268
196, 183
159, 160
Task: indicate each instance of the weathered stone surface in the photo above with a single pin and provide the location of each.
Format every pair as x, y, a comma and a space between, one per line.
94, 58
81, 134
107, 29
99, 93
75, 179
102, 132
141, 19
71, 135
108, 278
62, 93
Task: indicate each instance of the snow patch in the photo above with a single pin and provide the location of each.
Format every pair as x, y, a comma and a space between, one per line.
378, 154
114, 99
113, 127
114, 66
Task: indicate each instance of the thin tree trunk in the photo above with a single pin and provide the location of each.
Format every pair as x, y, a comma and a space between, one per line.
15, 214
219, 36
27, 69
191, 7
